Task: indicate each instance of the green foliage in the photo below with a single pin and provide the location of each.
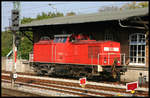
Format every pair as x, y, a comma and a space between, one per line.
143, 4
26, 20
70, 14
109, 8
49, 15
42, 16
6, 41
134, 5
25, 47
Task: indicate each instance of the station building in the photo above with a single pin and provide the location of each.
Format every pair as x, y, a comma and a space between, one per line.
129, 27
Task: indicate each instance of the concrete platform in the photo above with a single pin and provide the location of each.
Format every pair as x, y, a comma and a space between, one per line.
133, 73
22, 65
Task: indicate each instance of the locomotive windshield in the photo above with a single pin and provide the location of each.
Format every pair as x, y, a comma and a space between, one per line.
72, 37
60, 38
77, 37
45, 38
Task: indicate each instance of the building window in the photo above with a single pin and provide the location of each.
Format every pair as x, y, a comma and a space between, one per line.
137, 49
108, 36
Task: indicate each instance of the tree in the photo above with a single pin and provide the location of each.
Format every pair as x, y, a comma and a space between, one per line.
49, 15
26, 20
143, 4
41, 16
134, 5
25, 46
70, 14
109, 8
6, 38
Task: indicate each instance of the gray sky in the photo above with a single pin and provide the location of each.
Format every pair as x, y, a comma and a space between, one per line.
32, 9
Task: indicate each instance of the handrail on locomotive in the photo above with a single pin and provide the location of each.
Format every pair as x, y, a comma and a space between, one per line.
122, 62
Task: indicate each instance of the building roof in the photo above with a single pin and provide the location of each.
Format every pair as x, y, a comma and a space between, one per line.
94, 17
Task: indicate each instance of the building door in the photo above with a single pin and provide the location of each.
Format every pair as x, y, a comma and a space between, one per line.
137, 50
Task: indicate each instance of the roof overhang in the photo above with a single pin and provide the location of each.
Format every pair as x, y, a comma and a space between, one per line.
85, 18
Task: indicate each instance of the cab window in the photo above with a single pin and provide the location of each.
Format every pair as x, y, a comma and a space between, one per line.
60, 39
45, 38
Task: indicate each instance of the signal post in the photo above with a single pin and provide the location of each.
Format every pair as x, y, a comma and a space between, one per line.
14, 29
14, 62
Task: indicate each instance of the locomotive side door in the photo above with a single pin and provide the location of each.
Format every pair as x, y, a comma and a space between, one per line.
76, 53
53, 52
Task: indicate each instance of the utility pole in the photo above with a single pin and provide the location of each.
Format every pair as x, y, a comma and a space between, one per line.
15, 28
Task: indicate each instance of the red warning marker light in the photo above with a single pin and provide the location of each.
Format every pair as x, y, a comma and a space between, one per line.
82, 81
131, 86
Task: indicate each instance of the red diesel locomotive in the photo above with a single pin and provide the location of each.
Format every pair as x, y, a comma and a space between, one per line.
77, 55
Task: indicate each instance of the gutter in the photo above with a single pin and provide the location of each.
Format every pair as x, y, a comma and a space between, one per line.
127, 26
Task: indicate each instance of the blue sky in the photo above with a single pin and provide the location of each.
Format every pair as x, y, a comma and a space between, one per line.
32, 8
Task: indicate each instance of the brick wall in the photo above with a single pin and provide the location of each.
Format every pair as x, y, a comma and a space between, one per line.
124, 44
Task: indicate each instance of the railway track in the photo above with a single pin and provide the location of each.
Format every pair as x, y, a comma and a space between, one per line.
11, 92
92, 80
72, 87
